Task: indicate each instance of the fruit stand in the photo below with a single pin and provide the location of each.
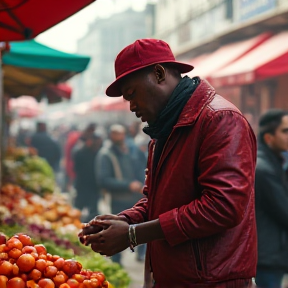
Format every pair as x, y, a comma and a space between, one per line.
39, 245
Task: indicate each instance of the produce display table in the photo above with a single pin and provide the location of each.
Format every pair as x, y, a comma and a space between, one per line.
39, 225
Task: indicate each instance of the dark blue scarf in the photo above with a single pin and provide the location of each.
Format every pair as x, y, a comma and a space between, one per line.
167, 119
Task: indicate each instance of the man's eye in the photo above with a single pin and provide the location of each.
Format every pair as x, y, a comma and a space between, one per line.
130, 96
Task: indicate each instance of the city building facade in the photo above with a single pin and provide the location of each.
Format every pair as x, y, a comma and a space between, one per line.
103, 41
225, 38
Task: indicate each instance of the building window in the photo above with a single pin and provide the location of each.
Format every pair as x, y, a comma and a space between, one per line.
229, 9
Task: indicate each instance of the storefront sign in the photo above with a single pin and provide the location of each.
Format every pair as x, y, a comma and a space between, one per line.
248, 9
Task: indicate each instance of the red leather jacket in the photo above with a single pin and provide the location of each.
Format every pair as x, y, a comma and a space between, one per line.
203, 194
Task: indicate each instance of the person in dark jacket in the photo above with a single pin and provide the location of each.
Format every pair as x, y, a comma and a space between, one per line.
198, 216
271, 189
116, 174
88, 193
46, 146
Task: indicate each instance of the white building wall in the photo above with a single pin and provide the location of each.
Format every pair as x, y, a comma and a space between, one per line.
183, 22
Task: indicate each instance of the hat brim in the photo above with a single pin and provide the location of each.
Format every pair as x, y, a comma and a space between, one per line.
113, 90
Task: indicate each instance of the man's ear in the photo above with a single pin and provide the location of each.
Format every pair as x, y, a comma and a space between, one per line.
159, 72
268, 138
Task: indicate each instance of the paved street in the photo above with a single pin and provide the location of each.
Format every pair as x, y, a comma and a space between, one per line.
134, 268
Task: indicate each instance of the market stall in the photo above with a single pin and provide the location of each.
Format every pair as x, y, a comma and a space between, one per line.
39, 246
25, 19
31, 203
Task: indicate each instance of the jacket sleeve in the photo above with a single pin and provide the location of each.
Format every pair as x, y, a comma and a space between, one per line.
272, 194
138, 213
226, 163
106, 177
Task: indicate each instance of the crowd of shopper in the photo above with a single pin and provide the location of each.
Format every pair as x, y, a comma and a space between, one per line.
101, 168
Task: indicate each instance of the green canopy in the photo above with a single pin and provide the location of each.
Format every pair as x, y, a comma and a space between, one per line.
31, 54
29, 66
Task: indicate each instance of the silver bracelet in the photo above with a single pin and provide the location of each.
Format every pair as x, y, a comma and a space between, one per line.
132, 237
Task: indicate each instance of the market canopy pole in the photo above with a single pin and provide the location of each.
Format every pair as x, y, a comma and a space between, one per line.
1, 122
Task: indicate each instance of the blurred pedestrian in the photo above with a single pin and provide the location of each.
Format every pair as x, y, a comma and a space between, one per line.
116, 174
23, 137
46, 146
88, 193
271, 189
198, 219
72, 138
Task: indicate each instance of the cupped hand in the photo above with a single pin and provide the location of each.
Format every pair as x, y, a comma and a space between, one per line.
112, 239
93, 226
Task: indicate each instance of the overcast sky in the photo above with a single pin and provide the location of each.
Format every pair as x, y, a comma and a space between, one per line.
64, 36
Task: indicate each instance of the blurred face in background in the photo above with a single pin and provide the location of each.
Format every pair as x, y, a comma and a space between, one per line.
118, 137
279, 140
94, 143
97, 144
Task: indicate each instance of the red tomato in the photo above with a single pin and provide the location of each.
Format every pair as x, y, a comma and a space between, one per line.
14, 253
46, 283
40, 249
40, 264
99, 275
26, 262
29, 249
25, 239
14, 243
59, 279
35, 275
95, 283
71, 267
15, 270
50, 271
59, 263
6, 268
79, 277
3, 281
32, 284
15, 282
73, 283
64, 285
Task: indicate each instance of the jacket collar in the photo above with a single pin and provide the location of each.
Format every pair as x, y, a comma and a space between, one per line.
203, 94
265, 152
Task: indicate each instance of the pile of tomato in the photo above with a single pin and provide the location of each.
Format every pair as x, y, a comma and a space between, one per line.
25, 265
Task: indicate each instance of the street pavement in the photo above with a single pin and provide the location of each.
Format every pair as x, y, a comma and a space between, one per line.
134, 268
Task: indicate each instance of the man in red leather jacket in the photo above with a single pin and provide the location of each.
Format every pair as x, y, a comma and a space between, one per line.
198, 215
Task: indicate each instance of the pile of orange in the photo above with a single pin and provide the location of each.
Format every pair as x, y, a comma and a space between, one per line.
25, 265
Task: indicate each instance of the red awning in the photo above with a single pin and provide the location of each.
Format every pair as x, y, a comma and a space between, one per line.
25, 107
268, 60
206, 65
109, 104
25, 19
119, 104
55, 93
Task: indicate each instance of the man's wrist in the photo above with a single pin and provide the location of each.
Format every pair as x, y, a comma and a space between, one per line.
132, 237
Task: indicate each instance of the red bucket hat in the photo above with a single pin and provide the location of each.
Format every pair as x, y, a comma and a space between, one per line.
140, 54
